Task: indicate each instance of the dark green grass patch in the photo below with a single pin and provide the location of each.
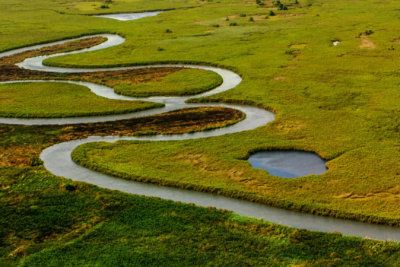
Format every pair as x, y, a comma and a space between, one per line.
46, 224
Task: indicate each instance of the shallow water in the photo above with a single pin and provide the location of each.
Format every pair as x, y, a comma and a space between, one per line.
129, 16
288, 164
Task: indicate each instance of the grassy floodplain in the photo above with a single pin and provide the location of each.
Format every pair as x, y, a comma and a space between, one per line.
340, 101
183, 82
55, 100
52, 100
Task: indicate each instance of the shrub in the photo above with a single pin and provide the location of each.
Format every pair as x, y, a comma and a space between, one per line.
70, 187
260, 2
282, 7
36, 161
168, 31
233, 24
251, 19
272, 13
300, 236
279, 5
368, 32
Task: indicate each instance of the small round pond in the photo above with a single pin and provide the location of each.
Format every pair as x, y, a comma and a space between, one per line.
288, 164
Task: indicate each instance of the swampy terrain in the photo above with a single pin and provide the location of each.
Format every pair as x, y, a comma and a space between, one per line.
180, 99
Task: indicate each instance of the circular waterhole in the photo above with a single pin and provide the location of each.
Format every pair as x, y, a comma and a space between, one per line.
288, 164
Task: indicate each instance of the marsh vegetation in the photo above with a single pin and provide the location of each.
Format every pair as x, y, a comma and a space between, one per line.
341, 102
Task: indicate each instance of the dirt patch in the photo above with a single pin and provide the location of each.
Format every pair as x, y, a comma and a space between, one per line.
298, 46
392, 193
181, 121
18, 155
366, 43
290, 126
175, 122
60, 48
9, 71
279, 78
396, 40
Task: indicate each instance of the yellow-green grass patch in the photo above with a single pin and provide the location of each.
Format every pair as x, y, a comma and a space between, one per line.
46, 100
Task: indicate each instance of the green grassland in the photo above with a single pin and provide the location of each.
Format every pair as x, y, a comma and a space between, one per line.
339, 101
183, 82
53, 100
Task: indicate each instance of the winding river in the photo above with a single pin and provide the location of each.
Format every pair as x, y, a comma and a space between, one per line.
57, 158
